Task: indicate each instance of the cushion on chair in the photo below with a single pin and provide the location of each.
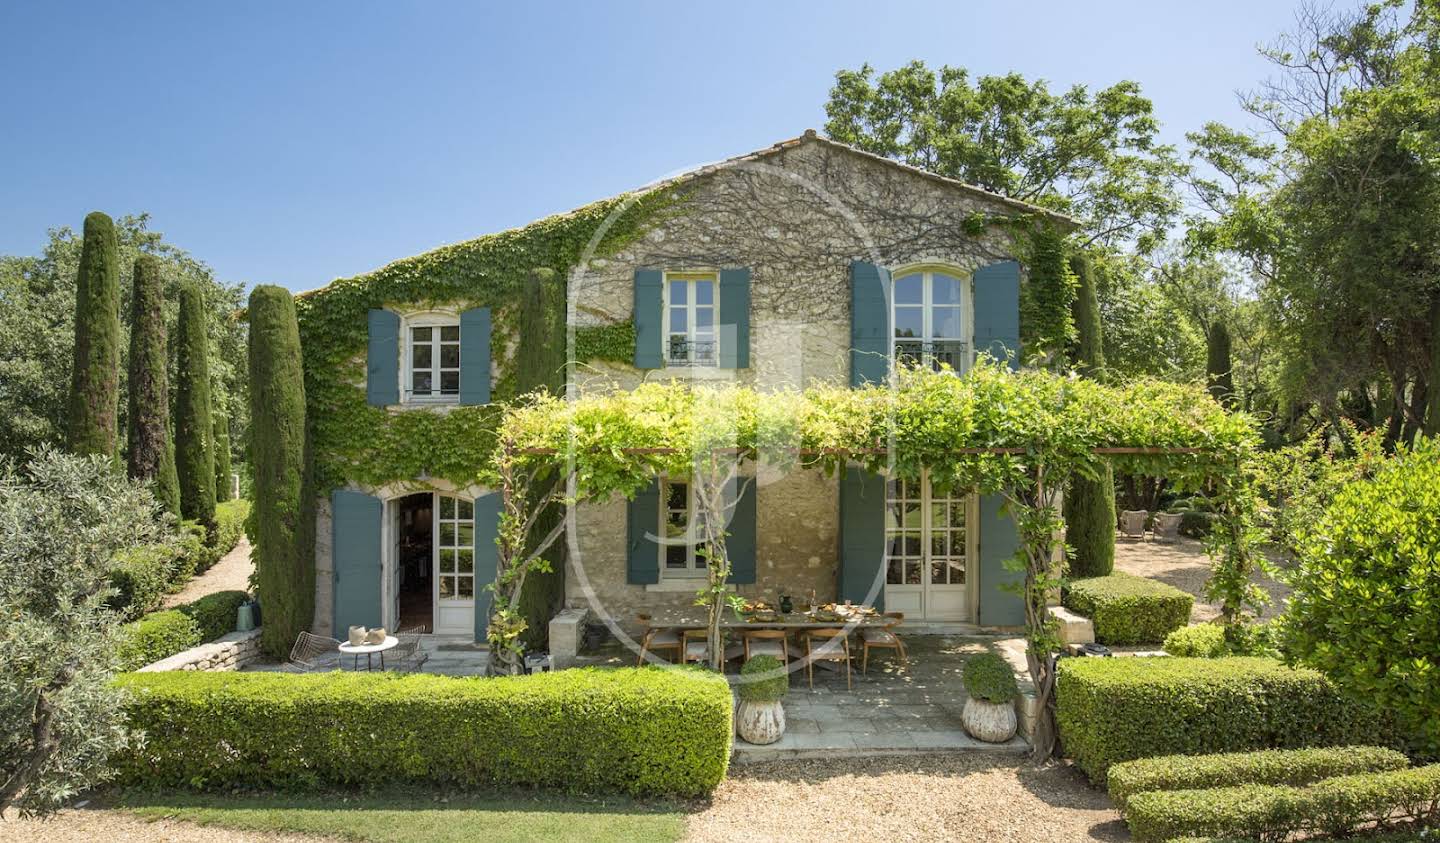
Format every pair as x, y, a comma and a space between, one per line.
665, 638
697, 648
879, 636
767, 648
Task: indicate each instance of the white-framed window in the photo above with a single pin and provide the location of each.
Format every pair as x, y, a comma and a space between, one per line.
681, 554
455, 549
432, 358
931, 312
925, 533
691, 307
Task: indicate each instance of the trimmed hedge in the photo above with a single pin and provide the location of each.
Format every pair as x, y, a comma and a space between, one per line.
771, 689
1120, 709
644, 731
1275, 766
1128, 609
988, 677
1203, 641
1335, 806
157, 636
146, 574
215, 614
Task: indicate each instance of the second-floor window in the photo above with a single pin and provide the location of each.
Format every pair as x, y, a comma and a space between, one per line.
432, 346
930, 318
690, 310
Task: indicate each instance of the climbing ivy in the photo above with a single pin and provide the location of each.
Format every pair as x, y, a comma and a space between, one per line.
354, 441
1047, 326
614, 342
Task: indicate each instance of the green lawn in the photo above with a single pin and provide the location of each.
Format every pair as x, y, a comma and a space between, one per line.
414, 815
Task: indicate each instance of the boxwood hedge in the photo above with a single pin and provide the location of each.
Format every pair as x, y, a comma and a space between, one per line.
1127, 609
1119, 709
215, 614
639, 730
1273, 766
1334, 806
156, 636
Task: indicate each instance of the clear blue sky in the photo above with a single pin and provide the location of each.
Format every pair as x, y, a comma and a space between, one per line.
294, 143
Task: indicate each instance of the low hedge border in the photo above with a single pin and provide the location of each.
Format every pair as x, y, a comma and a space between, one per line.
146, 574
160, 635
644, 731
1119, 709
1274, 766
1127, 609
1334, 806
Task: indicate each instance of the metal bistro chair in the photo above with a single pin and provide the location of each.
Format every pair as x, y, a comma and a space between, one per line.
766, 642
835, 647
883, 638
1132, 524
408, 655
656, 639
313, 653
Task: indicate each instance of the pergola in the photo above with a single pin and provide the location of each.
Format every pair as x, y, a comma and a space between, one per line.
1019, 434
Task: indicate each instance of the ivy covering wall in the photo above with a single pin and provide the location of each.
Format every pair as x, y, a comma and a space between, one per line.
355, 442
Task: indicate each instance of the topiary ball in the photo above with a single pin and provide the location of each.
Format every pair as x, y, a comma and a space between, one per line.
770, 689
988, 677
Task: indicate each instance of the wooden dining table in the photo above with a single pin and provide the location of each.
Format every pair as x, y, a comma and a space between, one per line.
679, 619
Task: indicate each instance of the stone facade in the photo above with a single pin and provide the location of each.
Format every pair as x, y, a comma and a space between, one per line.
324, 623
231, 651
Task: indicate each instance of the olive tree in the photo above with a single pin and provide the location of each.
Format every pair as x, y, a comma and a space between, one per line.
63, 519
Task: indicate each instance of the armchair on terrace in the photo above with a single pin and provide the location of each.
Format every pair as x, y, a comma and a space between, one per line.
314, 653
1132, 524
407, 655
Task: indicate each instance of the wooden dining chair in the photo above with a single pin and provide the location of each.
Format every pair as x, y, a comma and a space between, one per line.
694, 645
834, 646
766, 642
883, 638
656, 639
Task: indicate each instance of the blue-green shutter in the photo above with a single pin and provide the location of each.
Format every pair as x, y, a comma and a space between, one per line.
869, 323
997, 311
740, 544
735, 318
862, 536
1000, 604
355, 544
649, 319
642, 520
487, 556
475, 356
382, 359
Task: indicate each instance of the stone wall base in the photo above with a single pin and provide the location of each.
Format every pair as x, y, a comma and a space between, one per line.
231, 651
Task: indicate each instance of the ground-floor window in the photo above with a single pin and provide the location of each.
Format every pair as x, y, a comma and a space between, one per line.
681, 554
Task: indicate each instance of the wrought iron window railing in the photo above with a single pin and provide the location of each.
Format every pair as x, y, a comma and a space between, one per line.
933, 353
687, 352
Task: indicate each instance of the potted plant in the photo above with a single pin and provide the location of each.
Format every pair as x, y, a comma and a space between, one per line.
760, 717
989, 713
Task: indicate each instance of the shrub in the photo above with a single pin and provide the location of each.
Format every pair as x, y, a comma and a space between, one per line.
194, 451
214, 614
639, 730
1272, 812
1090, 525
1127, 609
141, 579
1196, 524
770, 689
1114, 710
988, 677
284, 523
229, 526
1205, 641
1275, 766
157, 636
1366, 603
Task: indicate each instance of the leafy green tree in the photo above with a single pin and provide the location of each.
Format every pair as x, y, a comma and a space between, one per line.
95, 382
1089, 508
151, 453
222, 456
37, 339
63, 521
1145, 333
1093, 156
283, 518
194, 431
1365, 609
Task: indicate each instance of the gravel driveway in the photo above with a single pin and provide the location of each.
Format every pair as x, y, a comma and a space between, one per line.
231, 573
1185, 565
953, 797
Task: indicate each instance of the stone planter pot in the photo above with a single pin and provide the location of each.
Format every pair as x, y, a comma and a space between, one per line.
989, 722
760, 722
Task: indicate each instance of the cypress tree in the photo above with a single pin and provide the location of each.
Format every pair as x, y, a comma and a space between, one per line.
194, 454
1217, 364
151, 454
1432, 412
95, 380
284, 519
1090, 503
222, 456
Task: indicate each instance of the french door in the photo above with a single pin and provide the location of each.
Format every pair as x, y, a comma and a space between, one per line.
454, 580
928, 548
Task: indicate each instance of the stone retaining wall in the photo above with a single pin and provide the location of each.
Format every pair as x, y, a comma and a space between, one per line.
231, 651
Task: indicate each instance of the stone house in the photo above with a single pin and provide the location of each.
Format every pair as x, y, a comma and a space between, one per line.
805, 262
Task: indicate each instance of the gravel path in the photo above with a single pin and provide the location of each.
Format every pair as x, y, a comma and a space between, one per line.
231, 573
954, 797
1185, 566
87, 826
